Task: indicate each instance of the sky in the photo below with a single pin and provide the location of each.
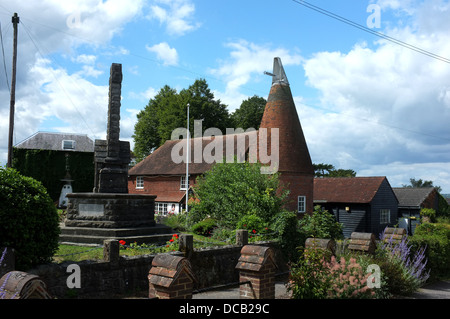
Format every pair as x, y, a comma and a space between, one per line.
365, 103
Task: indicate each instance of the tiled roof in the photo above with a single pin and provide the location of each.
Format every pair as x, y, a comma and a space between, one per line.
280, 112
160, 162
346, 189
411, 197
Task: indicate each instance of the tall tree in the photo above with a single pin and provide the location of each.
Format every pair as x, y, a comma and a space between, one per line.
168, 111
328, 170
250, 113
421, 183
146, 130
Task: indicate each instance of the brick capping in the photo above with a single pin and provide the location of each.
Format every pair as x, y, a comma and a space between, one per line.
257, 266
23, 285
362, 242
171, 277
320, 243
394, 234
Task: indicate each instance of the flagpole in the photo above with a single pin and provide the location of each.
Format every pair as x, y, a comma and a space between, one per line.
187, 160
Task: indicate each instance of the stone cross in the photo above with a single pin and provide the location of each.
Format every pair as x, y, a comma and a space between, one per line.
112, 156
113, 129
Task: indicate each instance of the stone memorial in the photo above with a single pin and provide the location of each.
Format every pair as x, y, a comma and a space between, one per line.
109, 212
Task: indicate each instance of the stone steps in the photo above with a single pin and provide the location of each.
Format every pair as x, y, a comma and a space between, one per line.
158, 234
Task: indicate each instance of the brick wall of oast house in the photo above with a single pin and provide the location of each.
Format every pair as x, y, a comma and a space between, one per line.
299, 185
169, 185
295, 165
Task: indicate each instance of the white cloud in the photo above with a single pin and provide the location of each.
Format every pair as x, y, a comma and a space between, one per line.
48, 93
85, 59
165, 53
384, 107
399, 173
246, 62
177, 15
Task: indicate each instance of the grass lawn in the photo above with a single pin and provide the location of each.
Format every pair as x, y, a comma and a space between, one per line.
79, 253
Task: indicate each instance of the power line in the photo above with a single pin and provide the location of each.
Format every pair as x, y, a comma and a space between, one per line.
60, 85
376, 33
4, 61
301, 2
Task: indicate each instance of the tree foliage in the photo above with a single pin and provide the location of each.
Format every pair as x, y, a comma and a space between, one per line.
321, 224
250, 113
168, 111
231, 192
418, 183
328, 170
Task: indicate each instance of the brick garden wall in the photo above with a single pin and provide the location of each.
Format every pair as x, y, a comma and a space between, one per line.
130, 274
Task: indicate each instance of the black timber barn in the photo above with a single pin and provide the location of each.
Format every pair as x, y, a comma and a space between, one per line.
361, 204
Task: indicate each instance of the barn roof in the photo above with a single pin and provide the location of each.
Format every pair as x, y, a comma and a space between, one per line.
412, 197
346, 189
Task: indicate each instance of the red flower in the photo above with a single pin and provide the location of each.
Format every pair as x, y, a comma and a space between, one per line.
175, 235
254, 231
171, 240
122, 242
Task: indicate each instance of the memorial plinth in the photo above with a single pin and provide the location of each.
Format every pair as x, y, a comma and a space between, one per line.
99, 210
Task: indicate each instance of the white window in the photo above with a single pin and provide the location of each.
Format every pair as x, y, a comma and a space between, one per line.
302, 204
161, 208
385, 216
183, 183
68, 145
139, 182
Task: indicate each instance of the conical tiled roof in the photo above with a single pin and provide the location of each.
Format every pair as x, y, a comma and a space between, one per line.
280, 112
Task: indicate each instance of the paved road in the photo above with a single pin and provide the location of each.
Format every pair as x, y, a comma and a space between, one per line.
437, 290
233, 293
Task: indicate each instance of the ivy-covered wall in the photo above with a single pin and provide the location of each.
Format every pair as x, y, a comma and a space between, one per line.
49, 167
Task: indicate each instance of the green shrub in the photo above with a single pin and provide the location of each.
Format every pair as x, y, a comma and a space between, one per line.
321, 224
317, 275
175, 221
230, 191
205, 227
404, 268
28, 219
430, 213
436, 238
288, 234
309, 276
254, 224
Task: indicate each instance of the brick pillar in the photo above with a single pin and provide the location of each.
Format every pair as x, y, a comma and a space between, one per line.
171, 277
257, 265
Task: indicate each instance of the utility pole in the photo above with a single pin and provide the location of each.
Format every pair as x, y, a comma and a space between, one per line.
187, 160
15, 21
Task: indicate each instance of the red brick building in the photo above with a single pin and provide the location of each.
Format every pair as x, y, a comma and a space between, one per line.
159, 175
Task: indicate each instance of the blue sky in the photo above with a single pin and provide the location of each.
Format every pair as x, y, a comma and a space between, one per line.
364, 103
